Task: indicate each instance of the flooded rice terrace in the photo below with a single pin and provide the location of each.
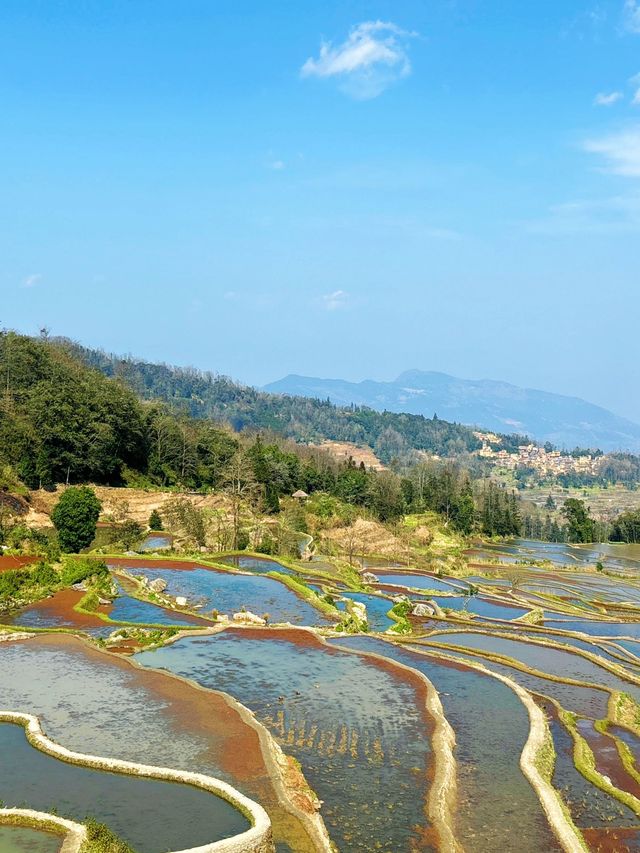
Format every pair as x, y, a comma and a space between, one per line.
151, 815
18, 839
228, 593
491, 727
140, 716
354, 710
359, 729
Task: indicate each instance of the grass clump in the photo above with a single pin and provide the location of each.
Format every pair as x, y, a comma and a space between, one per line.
399, 612
77, 571
100, 839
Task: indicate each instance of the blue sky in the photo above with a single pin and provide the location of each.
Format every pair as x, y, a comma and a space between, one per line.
342, 189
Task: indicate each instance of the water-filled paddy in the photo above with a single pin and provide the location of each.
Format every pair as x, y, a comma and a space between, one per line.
632, 741
139, 716
606, 652
259, 565
152, 816
588, 701
229, 593
156, 542
17, 839
484, 607
58, 612
615, 555
418, 581
595, 628
491, 726
556, 662
612, 556
377, 609
361, 732
631, 646
607, 757
126, 608
595, 646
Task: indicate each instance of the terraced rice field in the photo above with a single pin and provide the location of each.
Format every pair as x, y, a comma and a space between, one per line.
508, 719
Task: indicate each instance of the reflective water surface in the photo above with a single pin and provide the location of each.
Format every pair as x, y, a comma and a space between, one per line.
360, 731
152, 816
229, 593
14, 839
491, 726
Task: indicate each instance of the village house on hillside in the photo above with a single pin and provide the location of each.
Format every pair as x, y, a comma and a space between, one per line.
546, 462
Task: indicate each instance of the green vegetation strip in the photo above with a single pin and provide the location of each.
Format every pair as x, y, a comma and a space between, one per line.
585, 763
626, 755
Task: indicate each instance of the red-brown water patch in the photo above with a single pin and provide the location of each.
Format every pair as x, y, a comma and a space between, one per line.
613, 840
59, 610
608, 761
8, 562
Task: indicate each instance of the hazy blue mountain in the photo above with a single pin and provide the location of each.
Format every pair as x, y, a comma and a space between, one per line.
564, 421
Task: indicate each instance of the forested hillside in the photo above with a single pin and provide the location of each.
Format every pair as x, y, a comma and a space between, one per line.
63, 420
207, 395
59, 421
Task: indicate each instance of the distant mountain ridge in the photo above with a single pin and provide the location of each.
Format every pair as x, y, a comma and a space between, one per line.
566, 422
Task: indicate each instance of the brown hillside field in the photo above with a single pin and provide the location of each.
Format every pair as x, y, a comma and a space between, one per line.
342, 450
141, 503
366, 537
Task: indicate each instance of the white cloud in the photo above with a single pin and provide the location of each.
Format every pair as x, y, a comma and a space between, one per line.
32, 280
371, 59
635, 82
632, 16
277, 165
336, 300
607, 99
620, 151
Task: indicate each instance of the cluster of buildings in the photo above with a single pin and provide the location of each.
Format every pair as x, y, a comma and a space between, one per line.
544, 462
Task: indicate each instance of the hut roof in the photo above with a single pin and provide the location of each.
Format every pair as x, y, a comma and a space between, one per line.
299, 494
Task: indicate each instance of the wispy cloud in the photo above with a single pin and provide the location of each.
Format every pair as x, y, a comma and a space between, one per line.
32, 280
276, 165
335, 301
372, 58
607, 99
615, 215
620, 151
635, 82
631, 16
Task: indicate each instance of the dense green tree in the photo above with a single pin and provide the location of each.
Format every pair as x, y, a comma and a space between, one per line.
62, 422
155, 520
387, 499
465, 510
499, 512
129, 533
626, 527
75, 517
182, 516
581, 527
